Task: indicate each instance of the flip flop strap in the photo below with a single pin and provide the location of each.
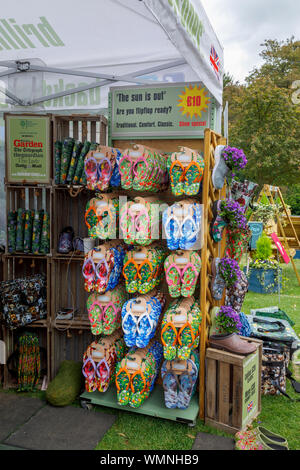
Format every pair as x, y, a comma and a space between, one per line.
192, 334
130, 261
93, 159
164, 329
99, 171
139, 160
103, 261
138, 372
104, 361
86, 276
145, 315
196, 229
196, 164
168, 270
189, 265
96, 302
174, 218
185, 374
86, 215
176, 163
125, 157
89, 359
127, 315
144, 212
123, 369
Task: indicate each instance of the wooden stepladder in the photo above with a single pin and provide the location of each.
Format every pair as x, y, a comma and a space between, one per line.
272, 192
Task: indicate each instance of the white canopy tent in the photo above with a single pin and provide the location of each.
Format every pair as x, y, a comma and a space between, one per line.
63, 55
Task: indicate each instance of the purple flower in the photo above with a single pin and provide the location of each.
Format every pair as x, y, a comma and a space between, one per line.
234, 158
228, 320
230, 271
232, 212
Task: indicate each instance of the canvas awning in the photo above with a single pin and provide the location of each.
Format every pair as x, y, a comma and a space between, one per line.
50, 50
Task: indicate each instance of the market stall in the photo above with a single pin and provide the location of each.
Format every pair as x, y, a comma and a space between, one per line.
72, 178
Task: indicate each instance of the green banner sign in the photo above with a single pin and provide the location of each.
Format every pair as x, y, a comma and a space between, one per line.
160, 111
27, 148
250, 388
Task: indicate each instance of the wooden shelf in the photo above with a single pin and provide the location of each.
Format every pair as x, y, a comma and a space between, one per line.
38, 324
77, 323
27, 255
67, 257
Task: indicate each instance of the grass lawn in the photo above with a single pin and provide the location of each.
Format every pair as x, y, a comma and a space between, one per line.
279, 414
137, 432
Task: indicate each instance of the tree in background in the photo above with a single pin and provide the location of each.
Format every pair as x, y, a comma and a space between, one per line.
292, 198
263, 119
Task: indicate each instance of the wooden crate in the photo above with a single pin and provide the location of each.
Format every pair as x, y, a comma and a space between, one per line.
69, 338
68, 289
16, 199
233, 388
19, 266
69, 211
92, 128
81, 127
68, 345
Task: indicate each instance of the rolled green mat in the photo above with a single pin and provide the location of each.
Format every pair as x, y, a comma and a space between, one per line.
82, 180
11, 231
28, 230
20, 230
66, 154
57, 159
80, 165
37, 230
74, 160
45, 236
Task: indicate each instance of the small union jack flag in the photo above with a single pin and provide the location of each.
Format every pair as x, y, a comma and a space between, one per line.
249, 407
214, 59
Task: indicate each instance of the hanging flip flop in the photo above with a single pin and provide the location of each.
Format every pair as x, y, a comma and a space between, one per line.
173, 277
170, 385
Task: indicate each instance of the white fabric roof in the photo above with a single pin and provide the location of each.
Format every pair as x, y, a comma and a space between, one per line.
105, 40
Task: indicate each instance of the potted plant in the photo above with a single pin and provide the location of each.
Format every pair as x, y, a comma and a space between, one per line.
266, 213
234, 158
265, 273
227, 321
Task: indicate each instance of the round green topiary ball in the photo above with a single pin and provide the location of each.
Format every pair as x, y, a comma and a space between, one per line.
67, 384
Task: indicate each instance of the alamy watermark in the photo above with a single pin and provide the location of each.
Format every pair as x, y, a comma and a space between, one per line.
296, 94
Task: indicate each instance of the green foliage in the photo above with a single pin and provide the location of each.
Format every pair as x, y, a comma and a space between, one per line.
293, 198
263, 248
263, 120
66, 386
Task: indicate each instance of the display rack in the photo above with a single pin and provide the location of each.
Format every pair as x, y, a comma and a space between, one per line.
209, 251
155, 403
67, 339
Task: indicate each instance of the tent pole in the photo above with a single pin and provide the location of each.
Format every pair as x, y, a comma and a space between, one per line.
114, 78
12, 96
8, 72
107, 82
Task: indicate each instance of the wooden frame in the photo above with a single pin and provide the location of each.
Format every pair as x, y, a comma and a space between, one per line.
271, 192
209, 251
